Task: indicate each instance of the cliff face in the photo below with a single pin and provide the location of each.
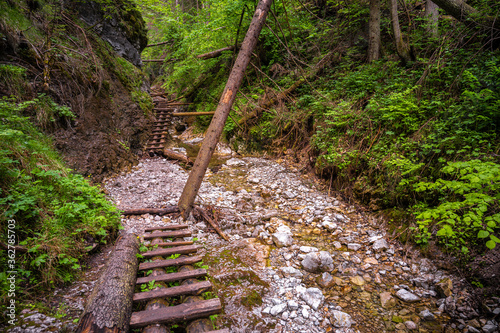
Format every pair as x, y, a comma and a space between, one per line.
120, 24
72, 55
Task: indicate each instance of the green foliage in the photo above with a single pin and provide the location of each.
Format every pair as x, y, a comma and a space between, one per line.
469, 209
55, 210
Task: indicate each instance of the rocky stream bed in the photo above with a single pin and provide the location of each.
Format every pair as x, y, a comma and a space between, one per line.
298, 260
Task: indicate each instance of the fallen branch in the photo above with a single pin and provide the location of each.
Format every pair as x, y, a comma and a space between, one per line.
13, 247
204, 214
158, 44
188, 114
173, 155
154, 211
216, 53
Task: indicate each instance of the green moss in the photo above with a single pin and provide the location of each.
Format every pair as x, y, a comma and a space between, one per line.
252, 299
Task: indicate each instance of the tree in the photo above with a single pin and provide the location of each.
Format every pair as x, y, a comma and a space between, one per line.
374, 31
432, 15
401, 47
216, 127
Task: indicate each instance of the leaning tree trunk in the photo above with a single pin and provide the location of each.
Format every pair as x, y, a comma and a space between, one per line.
214, 131
432, 15
109, 306
471, 16
374, 31
401, 47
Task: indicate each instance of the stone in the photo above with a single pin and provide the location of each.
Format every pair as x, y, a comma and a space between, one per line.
318, 262
337, 245
325, 280
293, 305
313, 297
397, 319
407, 296
353, 246
444, 287
371, 261
329, 225
282, 239
277, 309
490, 328
290, 271
340, 319
308, 249
380, 244
427, 315
284, 229
357, 280
410, 325
387, 300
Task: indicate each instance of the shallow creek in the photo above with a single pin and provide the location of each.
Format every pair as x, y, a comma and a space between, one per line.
298, 260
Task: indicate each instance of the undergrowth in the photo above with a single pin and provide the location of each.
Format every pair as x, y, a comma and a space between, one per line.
57, 213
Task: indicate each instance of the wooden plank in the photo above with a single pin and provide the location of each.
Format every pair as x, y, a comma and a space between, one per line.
173, 250
168, 227
173, 276
170, 262
182, 312
188, 114
187, 289
179, 243
176, 233
224, 330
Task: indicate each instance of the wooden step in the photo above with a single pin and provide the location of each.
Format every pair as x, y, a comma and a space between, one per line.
178, 243
224, 330
173, 250
173, 276
176, 233
182, 312
196, 288
169, 262
168, 227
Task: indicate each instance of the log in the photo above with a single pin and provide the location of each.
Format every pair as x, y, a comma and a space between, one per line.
170, 277
195, 114
191, 289
227, 99
176, 313
109, 307
173, 250
170, 234
154, 211
161, 43
173, 155
215, 54
176, 243
169, 262
203, 213
168, 227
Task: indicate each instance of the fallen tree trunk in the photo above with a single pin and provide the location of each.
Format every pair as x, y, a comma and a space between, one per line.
154, 211
109, 307
216, 127
215, 54
173, 155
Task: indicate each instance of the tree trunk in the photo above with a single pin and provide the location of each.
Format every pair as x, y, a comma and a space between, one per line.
432, 15
109, 306
221, 113
215, 54
374, 31
401, 47
469, 15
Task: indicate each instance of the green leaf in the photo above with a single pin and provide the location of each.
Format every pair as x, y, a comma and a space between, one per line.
491, 244
483, 234
495, 239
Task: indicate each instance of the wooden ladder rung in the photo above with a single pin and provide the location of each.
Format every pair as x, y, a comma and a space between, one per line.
182, 312
173, 276
176, 233
173, 250
169, 262
179, 243
187, 289
168, 227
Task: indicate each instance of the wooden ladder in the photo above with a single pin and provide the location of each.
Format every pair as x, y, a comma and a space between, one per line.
168, 241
